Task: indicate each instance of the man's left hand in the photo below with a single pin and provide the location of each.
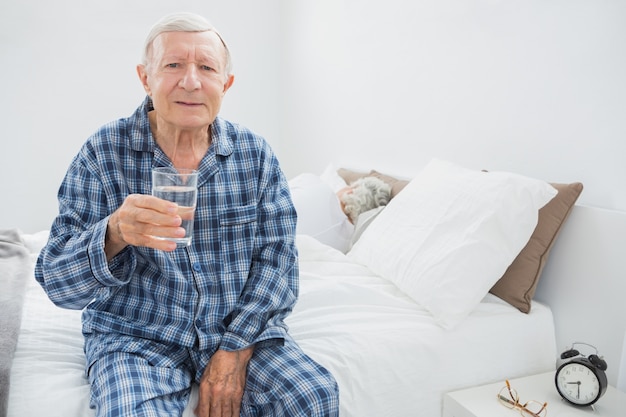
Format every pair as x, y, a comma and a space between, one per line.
222, 384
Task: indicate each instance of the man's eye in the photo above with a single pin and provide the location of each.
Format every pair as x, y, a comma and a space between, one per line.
206, 68
174, 65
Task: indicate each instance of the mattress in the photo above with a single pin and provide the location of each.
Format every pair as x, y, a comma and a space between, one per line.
386, 352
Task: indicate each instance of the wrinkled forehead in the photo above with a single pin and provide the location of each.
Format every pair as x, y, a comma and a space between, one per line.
202, 45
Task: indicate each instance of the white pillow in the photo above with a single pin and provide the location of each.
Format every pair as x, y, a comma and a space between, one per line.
451, 234
363, 222
319, 212
331, 177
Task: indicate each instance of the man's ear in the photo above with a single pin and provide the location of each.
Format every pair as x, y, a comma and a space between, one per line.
143, 77
229, 82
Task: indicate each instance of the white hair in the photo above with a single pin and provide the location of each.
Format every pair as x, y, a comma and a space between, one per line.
367, 193
182, 22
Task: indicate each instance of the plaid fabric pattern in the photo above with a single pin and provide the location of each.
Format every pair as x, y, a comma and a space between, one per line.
231, 288
149, 379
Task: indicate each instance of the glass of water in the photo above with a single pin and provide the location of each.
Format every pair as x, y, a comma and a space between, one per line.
180, 186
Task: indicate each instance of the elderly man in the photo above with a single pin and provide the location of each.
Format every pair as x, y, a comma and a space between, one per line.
157, 317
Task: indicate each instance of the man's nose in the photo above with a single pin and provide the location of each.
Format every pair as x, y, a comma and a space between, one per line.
190, 80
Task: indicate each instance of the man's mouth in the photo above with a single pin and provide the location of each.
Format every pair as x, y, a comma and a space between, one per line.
188, 103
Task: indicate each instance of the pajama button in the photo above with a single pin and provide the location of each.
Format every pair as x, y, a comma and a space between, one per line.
197, 267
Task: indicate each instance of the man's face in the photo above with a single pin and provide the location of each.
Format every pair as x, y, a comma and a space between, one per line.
186, 78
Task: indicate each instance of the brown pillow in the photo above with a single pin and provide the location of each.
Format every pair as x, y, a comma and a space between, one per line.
350, 176
518, 284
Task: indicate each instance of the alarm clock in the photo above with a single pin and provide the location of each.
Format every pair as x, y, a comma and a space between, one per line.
581, 380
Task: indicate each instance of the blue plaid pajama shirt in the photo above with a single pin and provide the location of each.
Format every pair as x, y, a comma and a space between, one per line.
153, 319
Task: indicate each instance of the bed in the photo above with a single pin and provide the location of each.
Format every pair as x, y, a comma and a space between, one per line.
412, 310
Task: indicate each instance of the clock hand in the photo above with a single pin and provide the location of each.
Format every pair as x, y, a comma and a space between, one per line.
577, 383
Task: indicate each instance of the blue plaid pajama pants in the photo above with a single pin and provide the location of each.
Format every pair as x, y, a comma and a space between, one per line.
135, 377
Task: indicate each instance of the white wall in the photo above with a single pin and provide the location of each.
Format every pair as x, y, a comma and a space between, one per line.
68, 66
531, 86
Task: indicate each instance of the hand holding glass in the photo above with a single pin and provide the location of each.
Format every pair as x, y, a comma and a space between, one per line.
181, 187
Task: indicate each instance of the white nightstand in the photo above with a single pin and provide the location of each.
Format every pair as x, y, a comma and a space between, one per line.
481, 401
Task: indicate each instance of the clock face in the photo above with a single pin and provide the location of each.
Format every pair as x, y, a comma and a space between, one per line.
578, 384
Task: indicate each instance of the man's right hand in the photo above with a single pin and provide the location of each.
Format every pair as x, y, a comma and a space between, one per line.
138, 220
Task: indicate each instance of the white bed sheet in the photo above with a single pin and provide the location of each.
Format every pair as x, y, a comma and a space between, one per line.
385, 351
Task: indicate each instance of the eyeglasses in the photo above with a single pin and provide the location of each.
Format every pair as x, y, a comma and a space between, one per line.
508, 397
